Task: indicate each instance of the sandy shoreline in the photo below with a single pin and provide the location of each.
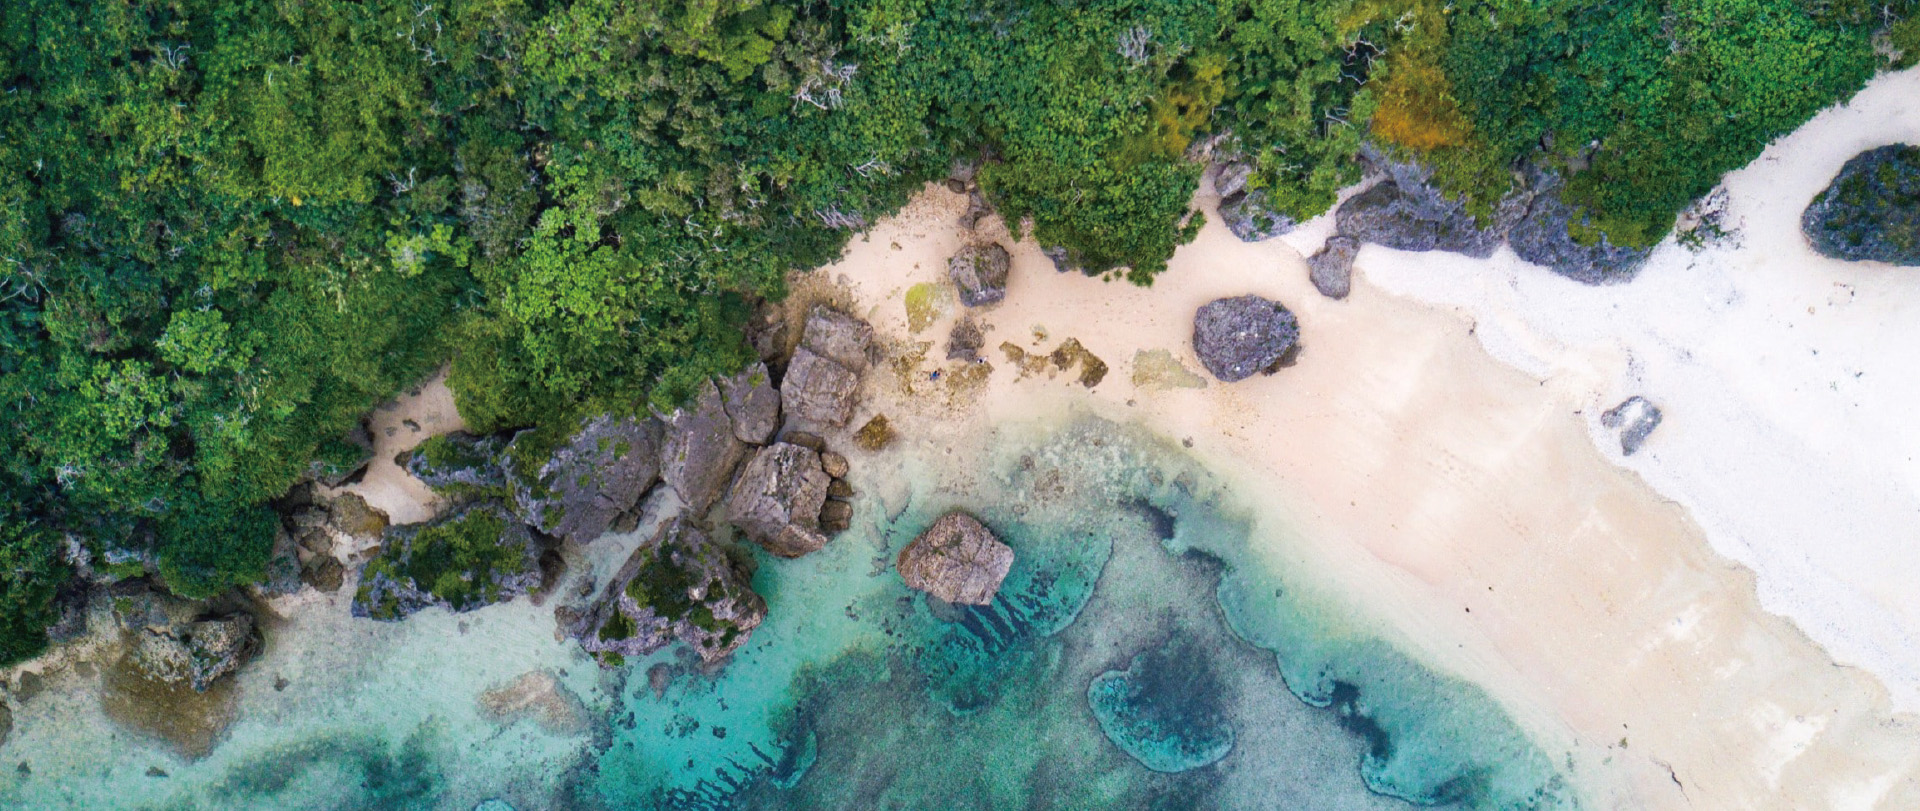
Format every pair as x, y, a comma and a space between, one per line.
1461, 499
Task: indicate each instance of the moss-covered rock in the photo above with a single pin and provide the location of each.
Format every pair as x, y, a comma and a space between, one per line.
1871, 211
679, 585
476, 556
574, 488
460, 464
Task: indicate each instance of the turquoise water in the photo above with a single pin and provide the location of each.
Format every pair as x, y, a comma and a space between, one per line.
1136, 657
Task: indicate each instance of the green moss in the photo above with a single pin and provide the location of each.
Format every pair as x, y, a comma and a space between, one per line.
662, 585
617, 627
459, 560
1905, 36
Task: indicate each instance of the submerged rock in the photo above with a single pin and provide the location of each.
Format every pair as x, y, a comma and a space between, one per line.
776, 500
1543, 238
195, 654
957, 560
473, 557
576, 488
539, 696
679, 585
1635, 419
1164, 710
700, 449
876, 435
1247, 215
1331, 268
1237, 337
980, 273
460, 462
752, 404
1871, 210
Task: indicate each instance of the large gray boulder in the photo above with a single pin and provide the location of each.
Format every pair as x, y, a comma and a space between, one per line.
838, 337
470, 558
1871, 210
1543, 238
679, 585
1237, 337
587, 480
459, 463
196, 654
752, 404
957, 560
819, 390
700, 449
1331, 268
980, 272
776, 499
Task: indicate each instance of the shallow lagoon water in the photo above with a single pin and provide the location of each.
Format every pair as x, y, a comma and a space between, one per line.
1136, 657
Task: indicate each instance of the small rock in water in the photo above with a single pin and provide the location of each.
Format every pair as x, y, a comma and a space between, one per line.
1634, 418
156, 771
875, 435
957, 560
1237, 337
835, 464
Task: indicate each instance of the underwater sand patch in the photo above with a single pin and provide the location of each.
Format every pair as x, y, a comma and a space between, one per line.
190, 724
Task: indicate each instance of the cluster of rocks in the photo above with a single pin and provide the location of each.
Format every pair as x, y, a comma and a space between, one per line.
1871, 210
1240, 336
1634, 419
1405, 211
317, 534
746, 449
183, 642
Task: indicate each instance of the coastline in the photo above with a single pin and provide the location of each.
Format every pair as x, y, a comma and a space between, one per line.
1461, 500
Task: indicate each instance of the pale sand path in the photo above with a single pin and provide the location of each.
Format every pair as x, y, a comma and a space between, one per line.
1460, 499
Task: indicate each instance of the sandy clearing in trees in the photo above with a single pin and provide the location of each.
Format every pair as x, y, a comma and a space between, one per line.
1461, 500
398, 425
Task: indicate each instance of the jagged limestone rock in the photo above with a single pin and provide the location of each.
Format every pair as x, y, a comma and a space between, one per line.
776, 499
1871, 210
474, 557
752, 403
679, 585
980, 273
700, 449
575, 488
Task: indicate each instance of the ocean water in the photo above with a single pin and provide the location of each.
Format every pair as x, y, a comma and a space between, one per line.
1136, 657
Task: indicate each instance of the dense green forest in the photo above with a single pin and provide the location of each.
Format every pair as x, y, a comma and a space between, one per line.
228, 229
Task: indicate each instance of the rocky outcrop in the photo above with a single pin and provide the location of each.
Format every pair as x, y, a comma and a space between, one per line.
1871, 210
1237, 337
323, 529
459, 462
1331, 268
838, 337
956, 560
1406, 211
1248, 216
700, 449
980, 273
1543, 238
196, 653
679, 585
1063, 260
576, 488
1414, 219
473, 557
1635, 419
823, 378
777, 497
752, 404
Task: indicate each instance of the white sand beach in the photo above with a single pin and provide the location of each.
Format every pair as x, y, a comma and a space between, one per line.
1468, 501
